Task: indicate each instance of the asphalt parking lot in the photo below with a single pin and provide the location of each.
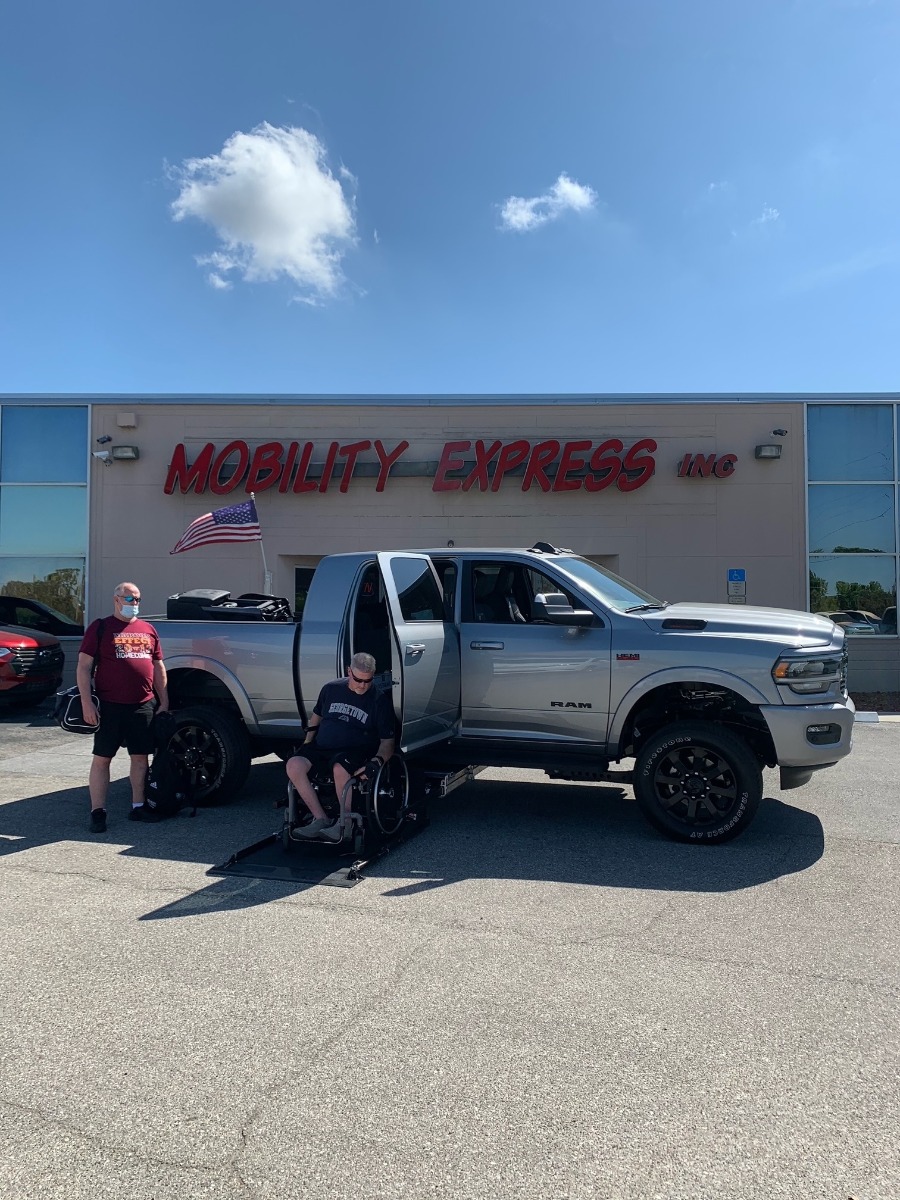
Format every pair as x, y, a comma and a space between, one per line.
537, 997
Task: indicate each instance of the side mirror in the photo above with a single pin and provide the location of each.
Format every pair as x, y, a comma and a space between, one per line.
555, 608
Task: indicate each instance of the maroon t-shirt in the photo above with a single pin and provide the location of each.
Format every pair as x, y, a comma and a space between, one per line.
128, 650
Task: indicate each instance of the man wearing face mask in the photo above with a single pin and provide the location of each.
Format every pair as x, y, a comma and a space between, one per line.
129, 671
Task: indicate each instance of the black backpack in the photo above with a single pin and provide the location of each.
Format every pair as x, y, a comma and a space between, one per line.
167, 789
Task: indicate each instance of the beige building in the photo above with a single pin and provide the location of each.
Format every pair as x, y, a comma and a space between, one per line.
693, 498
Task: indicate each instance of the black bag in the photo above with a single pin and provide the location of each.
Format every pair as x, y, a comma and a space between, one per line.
67, 711
68, 714
167, 789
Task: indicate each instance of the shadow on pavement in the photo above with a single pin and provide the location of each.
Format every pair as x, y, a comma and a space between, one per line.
512, 832
592, 835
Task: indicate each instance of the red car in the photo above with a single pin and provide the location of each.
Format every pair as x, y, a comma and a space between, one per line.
31, 665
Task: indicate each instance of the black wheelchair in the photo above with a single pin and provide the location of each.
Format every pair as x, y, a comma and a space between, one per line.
376, 812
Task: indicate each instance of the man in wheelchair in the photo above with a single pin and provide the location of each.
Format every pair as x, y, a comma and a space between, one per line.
350, 733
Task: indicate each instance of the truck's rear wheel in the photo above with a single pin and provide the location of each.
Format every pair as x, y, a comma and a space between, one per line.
212, 750
697, 782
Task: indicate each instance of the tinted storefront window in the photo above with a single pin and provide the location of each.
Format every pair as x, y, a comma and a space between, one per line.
43, 505
43, 520
56, 582
853, 519
853, 516
851, 441
43, 445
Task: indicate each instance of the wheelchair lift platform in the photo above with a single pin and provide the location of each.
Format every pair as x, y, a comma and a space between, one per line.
313, 862
285, 859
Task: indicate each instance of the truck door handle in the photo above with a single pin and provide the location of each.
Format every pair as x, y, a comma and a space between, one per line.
486, 645
415, 647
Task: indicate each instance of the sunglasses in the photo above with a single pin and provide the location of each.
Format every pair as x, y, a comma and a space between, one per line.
130, 599
357, 679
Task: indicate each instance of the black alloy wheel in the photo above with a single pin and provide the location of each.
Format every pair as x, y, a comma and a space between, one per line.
211, 751
697, 782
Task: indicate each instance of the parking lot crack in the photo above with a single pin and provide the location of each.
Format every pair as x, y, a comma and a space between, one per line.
120, 882
38, 1118
872, 985
367, 1006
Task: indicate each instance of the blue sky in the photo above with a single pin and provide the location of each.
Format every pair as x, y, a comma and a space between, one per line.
422, 197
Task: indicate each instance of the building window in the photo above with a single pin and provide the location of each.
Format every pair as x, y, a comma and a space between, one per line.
850, 442
56, 582
43, 505
853, 516
43, 520
302, 580
43, 445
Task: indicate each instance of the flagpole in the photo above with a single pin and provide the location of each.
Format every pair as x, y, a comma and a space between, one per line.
267, 575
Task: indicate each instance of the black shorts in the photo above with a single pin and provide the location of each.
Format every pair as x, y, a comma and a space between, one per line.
125, 725
323, 761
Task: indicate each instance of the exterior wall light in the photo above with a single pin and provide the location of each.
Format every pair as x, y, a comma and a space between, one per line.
771, 451
120, 452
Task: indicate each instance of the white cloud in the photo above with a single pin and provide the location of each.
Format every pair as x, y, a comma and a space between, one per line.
759, 229
216, 281
275, 206
768, 216
521, 213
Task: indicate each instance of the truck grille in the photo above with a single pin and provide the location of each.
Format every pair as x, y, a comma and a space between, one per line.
845, 658
37, 660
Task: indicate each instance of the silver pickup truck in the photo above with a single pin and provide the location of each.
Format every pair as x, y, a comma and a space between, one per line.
536, 658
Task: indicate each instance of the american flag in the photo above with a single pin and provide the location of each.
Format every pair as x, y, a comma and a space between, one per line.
239, 523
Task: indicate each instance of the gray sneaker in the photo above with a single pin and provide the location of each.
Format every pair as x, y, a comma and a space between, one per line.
334, 832
313, 829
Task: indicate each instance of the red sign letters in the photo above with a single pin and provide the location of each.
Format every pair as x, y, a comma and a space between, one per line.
551, 465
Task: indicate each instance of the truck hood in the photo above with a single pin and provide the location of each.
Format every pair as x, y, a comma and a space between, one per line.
773, 623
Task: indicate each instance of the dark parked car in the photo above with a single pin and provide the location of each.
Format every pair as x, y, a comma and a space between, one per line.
32, 614
31, 665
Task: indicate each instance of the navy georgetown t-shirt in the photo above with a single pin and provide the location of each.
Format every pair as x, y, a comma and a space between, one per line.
348, 720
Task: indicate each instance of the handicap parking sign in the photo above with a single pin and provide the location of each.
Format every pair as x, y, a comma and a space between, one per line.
736, 575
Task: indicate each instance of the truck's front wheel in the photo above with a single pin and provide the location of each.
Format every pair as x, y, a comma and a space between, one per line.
211, 751
697, 782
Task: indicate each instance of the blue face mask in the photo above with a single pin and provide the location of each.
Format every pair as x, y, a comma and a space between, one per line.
130, 610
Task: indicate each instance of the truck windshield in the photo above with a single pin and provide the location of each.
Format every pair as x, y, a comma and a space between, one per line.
608, 588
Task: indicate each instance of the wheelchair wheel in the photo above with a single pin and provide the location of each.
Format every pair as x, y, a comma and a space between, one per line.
389, 796
287, 843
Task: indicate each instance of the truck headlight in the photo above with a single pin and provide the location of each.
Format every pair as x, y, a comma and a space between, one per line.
809, 675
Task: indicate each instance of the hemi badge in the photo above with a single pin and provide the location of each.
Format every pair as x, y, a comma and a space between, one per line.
628, 657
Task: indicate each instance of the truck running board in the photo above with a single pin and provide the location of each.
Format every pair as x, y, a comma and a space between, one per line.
575, 776
442, 783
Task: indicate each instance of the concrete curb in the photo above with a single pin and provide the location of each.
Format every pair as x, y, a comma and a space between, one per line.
876, 718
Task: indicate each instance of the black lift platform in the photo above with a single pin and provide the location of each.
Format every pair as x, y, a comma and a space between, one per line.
315, 862
386, 813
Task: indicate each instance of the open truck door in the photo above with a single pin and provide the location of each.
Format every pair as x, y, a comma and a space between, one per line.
425, 656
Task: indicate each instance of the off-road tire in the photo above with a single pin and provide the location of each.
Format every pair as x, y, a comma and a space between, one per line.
213, 748
697, 782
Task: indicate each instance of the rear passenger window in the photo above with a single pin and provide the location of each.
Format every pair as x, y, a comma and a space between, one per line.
447, 574
420, 598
